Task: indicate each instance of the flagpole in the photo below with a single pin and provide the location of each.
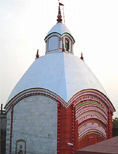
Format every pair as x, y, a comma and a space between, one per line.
63, 15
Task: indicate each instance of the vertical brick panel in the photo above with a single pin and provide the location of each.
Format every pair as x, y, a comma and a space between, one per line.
64, 135
58, 126
10, 146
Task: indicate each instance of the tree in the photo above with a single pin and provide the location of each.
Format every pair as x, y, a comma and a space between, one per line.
115, 127
115, 123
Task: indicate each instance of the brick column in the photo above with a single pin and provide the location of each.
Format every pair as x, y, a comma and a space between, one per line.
109, 124
10, 146
58, 126
73, 129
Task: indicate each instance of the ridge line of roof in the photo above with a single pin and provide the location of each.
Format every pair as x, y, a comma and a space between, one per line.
66, 99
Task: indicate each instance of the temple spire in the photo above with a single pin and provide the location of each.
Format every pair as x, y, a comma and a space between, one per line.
59, 17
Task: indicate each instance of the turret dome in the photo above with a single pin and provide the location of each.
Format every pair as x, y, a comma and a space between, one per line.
60, 29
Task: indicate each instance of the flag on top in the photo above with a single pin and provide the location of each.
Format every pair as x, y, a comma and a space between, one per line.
61, 4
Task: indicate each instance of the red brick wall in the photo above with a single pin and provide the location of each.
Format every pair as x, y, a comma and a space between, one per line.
109, 124
67, 131
90, 139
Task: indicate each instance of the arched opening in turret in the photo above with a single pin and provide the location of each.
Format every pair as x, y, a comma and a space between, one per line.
67, 44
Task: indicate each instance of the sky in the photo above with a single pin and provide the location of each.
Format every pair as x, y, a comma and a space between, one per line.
25, 23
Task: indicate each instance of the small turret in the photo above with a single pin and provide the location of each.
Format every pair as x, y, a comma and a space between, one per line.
59, 38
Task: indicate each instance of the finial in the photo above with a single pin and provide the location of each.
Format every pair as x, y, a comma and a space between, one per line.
37, 54
59, 17
82, 58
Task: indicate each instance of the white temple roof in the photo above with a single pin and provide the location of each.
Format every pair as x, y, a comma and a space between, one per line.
59, 28
59, 72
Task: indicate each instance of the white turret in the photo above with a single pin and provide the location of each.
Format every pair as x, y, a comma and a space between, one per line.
59, 37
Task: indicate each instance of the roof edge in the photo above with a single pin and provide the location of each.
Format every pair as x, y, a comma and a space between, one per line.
60, 35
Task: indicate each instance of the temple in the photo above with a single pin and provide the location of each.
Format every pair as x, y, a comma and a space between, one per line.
58, 106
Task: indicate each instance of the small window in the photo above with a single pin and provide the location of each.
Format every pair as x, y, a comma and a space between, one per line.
53, 43
20, 146
67, 44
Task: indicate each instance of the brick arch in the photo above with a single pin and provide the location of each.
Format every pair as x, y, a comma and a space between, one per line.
92, 104
91, 125
90, 138
90, 111
33, 92
91, 94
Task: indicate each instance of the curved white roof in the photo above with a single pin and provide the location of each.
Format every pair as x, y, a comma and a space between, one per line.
59, 72
59, 28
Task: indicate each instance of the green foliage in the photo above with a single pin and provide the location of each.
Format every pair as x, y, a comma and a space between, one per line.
115, 123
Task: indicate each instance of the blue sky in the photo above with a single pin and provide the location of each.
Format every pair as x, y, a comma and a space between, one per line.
25, 23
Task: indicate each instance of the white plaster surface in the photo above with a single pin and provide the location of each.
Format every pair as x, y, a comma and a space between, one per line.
59, 72
53, 43
59, 28
35, 121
